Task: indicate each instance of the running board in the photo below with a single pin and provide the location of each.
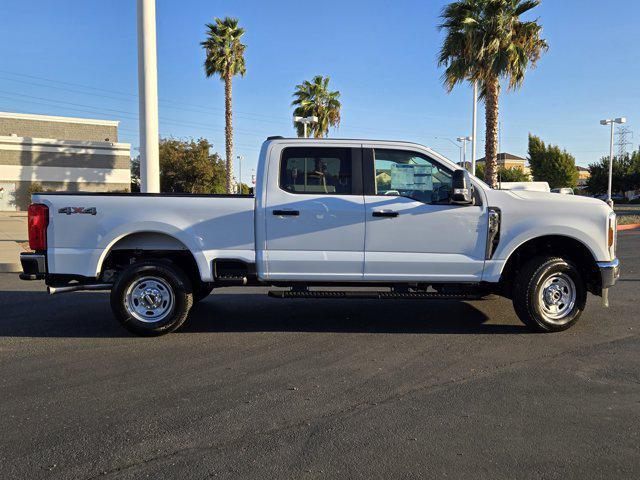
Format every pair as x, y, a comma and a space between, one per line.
371, 295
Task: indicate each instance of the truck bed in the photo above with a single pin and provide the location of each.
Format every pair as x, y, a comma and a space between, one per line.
85, 227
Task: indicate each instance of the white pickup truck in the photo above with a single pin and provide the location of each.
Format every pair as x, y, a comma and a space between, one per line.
395, 217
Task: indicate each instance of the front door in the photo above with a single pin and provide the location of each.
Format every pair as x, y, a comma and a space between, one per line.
413, 233
315, 216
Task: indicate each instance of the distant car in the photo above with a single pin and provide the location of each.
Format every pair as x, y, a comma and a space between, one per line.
563, 191
528, 186
616, 197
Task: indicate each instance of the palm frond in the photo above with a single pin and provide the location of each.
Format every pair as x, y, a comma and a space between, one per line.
224, 50
313, 98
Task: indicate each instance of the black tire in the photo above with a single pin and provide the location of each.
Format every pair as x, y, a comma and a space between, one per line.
161, 278
543, 284
201, 290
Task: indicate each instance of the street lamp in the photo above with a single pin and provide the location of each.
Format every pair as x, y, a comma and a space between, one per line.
474, 127
454, 143
240, 158
464, 141
611, 121
305, 121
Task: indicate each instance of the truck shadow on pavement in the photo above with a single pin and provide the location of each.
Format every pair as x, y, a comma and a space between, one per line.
257, 313
88, 314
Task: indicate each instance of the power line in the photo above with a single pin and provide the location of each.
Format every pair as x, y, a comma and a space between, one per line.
177, 104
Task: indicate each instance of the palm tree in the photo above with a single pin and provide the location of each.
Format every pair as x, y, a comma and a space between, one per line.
225, 57
485, 42
314, 98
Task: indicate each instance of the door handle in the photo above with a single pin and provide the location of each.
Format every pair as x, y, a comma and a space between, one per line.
385, 213
287, 213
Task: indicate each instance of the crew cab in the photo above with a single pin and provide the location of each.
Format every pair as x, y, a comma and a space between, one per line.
395, 217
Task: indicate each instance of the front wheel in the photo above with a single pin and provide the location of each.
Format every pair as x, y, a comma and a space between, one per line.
549, 294
201, 290
151, 298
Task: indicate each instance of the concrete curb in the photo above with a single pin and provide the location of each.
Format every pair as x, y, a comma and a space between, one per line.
10, 268
631, 226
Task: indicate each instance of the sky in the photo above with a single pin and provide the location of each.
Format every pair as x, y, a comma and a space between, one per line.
79, 58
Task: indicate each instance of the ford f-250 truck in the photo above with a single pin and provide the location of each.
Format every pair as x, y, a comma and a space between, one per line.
330, 213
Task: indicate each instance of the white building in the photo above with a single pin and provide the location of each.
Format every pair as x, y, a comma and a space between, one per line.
61, 154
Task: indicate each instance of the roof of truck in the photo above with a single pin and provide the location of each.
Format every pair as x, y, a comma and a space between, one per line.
363, 140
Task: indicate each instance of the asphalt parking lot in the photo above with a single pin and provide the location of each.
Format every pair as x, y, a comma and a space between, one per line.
255, 387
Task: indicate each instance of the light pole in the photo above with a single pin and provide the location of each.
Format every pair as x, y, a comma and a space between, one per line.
474, 127
456, 144
611, 121
148, 97
464, 141
305, 121
240, 158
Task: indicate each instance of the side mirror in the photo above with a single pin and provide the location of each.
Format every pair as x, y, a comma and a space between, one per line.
461, 188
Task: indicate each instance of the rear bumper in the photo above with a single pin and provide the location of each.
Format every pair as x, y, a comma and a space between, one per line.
34, 266
609, 272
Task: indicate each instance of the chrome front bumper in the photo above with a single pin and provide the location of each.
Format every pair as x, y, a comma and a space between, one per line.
609, 273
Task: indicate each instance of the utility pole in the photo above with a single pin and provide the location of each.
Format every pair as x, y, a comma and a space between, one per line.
148, 97
624, 134
611, 121
240, 158
474, 127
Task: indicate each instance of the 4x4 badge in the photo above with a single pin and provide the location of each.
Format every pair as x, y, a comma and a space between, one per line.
82, 210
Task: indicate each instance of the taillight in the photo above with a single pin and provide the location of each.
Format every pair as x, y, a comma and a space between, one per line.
38, 221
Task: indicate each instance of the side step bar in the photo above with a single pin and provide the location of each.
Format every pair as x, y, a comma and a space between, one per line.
371, 295
78, 287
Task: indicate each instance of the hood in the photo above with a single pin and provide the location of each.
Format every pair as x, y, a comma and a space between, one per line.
558, 198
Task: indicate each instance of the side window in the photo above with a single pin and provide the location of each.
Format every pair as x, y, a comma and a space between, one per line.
410, 174
316, 171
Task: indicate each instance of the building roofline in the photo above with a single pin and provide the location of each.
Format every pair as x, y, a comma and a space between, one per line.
54, 142
505, 156
54, 118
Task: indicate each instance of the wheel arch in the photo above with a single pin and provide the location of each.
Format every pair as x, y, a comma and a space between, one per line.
152, 243
564, 246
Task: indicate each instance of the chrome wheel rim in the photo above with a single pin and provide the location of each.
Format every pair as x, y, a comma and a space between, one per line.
149, 299
557, 298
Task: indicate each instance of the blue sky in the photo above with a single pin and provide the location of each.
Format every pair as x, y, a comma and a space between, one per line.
78, 58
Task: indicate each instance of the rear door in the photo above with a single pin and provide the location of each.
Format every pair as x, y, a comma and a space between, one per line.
413, 233
315, 218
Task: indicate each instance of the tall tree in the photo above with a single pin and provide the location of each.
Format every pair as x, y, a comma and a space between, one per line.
225, 57
186, 166
314, 98
626, 174
513, 174
550, 164
485, 42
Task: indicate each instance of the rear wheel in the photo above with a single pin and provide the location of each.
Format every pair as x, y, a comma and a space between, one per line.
151, 298
549, 294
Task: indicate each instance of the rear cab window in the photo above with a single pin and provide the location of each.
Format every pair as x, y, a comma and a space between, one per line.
317, 171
